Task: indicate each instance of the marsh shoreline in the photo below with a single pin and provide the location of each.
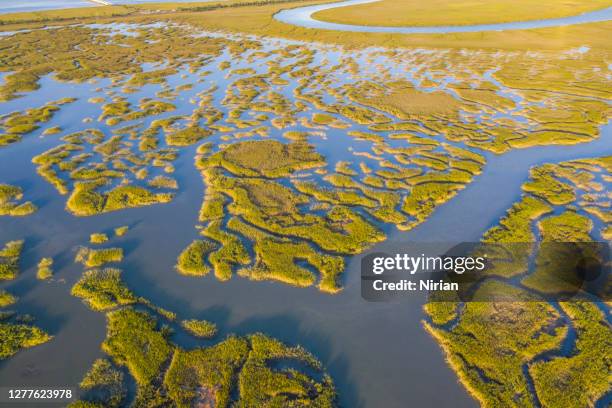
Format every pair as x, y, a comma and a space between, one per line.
303, 17
358, 342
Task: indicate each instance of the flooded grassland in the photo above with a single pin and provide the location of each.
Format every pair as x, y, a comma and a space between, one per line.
186, 208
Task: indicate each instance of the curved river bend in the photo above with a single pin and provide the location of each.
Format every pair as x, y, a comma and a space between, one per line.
302, 16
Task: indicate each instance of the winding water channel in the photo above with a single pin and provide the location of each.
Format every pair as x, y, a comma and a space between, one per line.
374, 351
302, 16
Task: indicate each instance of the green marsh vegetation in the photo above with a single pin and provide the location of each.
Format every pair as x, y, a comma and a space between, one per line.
106, 382
103, 289
10, 202
437, 109
445, 12
279, 259
580, 378
274, 198
134, 341
163, 182
98, 257
270, 214
7, 299
248, 180
249, 369
265, 199
210, 374
206, 374
260, 385
555, 206
496, 339
100, 173
45, 269
15, 125
98, 238
232, 251
187, 136
86, 201
17, 334
427, 111
121, 231
192, 261
97, 58
200, 328
404, 191
52, 131
410, 183
120, 111
9, 259
264, 209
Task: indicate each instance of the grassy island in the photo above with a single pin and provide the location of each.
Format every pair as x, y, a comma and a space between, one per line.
10, 197
562, 203
239, 369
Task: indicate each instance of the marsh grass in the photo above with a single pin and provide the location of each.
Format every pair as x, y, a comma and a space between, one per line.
98, 238
9, 259
133, 340
45, 269
17, 124
85, 200
163, 182
98, 257
7, 299
169, 375
187, 136
121, 231
10, 197
192, 261
200, 328
580, 378
196, 373
107, 382
15, 337
515, 330
267, 158
526, 328
210, 373
445, 12
103, 289
231, 253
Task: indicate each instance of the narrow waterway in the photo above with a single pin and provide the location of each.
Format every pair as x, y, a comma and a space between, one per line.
378, 353
375, 351
302, 16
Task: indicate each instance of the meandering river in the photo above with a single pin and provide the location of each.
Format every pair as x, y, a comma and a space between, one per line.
302, 16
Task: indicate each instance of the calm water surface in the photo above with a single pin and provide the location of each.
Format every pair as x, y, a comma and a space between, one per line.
378, 353
15, 6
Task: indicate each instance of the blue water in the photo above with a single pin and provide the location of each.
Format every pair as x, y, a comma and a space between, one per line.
15, 6
374, 352
10, 6
302, 16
